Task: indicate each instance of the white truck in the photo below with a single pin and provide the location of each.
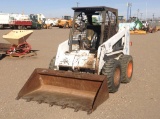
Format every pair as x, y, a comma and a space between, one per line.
4, 20
19, 17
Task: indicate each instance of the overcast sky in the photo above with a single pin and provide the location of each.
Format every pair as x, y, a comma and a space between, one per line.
58, 8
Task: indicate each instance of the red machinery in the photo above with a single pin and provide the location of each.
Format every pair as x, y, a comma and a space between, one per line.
20, 24
19, 46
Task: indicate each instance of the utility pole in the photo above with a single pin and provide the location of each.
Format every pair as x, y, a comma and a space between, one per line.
78, 4
141, 15
130, 9
146, 9
153, 17
137, 13
127, 10
129, 5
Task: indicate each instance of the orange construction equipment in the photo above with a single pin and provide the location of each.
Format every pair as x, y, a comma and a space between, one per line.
138, 32
65, 22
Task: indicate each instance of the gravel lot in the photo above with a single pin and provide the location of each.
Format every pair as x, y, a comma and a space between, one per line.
140, 99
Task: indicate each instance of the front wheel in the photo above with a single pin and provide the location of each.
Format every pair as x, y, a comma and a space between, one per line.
112, 68
45, 26
1, 55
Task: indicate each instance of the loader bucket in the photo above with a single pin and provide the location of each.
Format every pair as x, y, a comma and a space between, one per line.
80, 91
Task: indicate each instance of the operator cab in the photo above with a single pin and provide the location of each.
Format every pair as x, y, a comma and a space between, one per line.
91, 27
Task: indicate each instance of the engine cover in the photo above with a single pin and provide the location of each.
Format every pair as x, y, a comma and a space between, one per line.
76, 59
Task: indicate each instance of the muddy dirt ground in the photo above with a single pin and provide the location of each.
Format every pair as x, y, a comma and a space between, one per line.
140, 99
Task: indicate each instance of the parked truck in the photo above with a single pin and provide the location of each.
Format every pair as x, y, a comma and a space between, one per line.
4, 20
19, 21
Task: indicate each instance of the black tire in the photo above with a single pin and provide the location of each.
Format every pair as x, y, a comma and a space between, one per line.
2, 26
52, 63
112, 68
23, 27
44, 26
1, 55
38, 27
127, 68
66, 25
19, 27
15, 27
61, 26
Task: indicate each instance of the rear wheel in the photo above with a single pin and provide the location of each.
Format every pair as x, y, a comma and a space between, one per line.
23, 27
38, 27
126, 67
66, 25
1, 55
2, 26
52, 63
19, 27
112, 68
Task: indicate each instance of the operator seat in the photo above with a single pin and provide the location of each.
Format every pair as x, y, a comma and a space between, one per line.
91, 36
89, 42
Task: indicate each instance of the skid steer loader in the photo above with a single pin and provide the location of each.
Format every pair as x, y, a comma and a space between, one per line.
88, 66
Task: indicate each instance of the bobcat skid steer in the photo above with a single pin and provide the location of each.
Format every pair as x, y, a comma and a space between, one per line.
88, 66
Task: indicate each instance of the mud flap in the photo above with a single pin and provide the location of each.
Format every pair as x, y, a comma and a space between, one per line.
80, 91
